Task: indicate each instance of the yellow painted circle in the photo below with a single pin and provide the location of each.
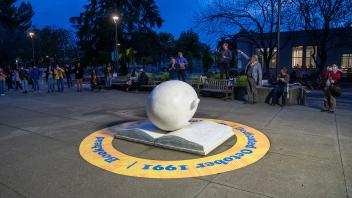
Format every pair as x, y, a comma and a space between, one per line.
251, 146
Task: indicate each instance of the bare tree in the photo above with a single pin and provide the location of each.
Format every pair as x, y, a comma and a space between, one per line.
319, 18
257, 20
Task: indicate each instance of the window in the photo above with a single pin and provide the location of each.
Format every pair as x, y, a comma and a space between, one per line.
311, 53
346, 62
297, 56
272, 63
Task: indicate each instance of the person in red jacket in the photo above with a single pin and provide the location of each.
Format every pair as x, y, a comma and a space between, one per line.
332, 75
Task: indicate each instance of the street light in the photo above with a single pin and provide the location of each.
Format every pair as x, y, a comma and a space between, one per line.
116, 44
278, 36
31, 34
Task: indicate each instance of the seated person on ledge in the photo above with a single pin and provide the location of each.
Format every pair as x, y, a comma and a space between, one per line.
142, 78
281, 87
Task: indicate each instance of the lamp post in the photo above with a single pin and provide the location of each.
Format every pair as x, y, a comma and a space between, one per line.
116, 45
31, 34
278, 36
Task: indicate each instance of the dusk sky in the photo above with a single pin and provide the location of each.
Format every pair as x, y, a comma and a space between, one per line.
178, 14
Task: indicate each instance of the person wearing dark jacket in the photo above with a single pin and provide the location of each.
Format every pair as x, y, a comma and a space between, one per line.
281, 88
225, 60
68, 72
24, 76
332, 75
79, 77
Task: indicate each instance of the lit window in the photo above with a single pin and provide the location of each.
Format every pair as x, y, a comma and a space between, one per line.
346, 62
272, 63
297, 56
311, 53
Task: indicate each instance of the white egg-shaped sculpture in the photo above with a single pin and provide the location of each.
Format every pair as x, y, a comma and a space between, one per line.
171, 105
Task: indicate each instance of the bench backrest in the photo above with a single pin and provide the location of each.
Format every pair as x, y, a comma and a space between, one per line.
217, 84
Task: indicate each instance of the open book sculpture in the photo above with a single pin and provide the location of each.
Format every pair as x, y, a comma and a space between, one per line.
170, 107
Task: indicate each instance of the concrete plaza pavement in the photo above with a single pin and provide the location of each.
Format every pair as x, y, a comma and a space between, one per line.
310, 154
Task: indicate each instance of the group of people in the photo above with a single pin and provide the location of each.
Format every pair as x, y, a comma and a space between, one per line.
137, 80
177, 67
19, 79
56, 75
253, 71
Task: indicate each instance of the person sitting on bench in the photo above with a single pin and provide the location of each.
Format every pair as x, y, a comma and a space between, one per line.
142, 78
281, 88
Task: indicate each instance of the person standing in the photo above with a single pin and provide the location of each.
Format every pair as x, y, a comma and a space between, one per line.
181, 63
172, 69
24, 80
59, 77
254, 77
68, 72
108, 76
79, 77
35, 75
332, 75
225, 60
17, 79
281, 88
50, 79
8, 74
2, 82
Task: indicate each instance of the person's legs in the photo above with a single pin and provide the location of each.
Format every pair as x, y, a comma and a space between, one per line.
36, 84
326, 99
49, 85
58, 85
227, 71
68, 81
62, 84
110, 81
222, 70
274, 95
331, 102
25, 86
2, 87
254, 89
183, 75
249, 91
283, 95
80, 84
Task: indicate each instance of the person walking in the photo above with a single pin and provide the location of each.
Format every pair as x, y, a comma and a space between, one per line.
332, 75
68, 72
108, 76
24, 79
281, 87
79, 77
181, 63
225, 60
35, 75
172, 69
50, 79
254, 75
2, 82
59, 77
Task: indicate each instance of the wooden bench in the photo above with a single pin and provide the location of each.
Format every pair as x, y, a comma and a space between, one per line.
151, 85
119, 81
194, 83
218, 86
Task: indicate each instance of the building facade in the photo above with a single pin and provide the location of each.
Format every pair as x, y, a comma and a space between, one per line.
298, 50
